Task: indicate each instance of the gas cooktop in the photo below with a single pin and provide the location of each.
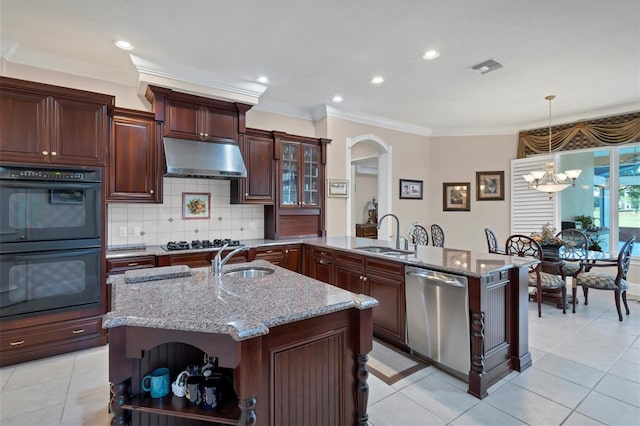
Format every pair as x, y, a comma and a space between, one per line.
199, 244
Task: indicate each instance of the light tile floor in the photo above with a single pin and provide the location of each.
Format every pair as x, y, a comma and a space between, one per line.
586, 371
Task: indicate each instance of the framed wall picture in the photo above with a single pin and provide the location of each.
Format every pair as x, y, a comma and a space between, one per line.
490, 186
455, 196
196, 205
337, 188
410, 189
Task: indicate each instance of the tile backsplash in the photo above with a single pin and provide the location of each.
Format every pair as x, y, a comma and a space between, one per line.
156, 224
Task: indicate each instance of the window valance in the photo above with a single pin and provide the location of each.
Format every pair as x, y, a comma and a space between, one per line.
607, 131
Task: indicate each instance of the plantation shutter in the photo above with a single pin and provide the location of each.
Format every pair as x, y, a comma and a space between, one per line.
530, 209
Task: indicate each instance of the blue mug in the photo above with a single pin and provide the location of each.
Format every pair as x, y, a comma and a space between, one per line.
157, 382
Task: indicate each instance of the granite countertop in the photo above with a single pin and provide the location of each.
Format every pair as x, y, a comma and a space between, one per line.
241, 307
455, 261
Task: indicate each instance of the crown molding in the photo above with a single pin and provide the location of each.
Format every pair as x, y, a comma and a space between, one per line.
374, 120
17, 53
195, 81
282, 108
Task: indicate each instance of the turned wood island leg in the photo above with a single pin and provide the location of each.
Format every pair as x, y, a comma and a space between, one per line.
119, 396
248, 380
362, 390
364, 345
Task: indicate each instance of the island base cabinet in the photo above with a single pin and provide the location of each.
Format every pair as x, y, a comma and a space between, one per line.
307, 372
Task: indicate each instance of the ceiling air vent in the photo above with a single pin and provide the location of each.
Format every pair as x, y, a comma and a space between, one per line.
487, 66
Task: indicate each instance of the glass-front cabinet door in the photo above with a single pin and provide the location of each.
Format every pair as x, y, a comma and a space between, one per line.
300, 175
290, 174
310, 192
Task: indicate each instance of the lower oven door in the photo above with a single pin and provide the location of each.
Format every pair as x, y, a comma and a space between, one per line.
49, 281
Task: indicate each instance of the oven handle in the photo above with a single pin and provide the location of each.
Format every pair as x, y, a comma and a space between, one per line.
48, 254
49, 185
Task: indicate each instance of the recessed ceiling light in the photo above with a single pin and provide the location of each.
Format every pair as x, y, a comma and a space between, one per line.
377, 80
124, 45
263, 79
430, 54
337, 98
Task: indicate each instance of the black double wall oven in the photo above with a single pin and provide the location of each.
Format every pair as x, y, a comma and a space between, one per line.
50, 240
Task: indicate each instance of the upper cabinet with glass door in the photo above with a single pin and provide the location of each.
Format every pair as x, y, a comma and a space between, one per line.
300, 175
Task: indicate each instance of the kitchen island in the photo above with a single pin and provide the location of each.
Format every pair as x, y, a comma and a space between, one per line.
297, 348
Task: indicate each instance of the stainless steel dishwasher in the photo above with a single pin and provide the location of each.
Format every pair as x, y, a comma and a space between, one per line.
438, 319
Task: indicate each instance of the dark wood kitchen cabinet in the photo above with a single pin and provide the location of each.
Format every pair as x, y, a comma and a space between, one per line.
382, 280
385, 282
194, 117
135, 158
349, 273
48, 338
299, 207
321, 264
259, 186
287, 256
41, 123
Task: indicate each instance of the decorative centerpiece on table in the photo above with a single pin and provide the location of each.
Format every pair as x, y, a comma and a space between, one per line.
549, 242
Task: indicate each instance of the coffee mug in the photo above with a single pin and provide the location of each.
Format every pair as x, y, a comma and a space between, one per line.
194, 389
157, 382
212, 392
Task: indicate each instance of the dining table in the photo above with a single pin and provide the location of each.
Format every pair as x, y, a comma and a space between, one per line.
568, 253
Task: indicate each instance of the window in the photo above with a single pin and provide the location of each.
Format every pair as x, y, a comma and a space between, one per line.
608, 191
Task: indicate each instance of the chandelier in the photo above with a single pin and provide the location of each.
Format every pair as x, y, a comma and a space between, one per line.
548, 180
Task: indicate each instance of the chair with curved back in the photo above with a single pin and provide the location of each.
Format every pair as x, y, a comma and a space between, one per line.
492, 242
419, 235
575, 250
437, 236
603, 281
524, 246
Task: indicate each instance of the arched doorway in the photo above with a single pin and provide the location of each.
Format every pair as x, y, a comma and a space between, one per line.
371, 150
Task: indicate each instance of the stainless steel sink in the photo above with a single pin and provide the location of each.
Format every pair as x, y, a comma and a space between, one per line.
249, 272
388, 251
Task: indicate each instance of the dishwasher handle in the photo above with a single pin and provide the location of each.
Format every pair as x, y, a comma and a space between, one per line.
437, 278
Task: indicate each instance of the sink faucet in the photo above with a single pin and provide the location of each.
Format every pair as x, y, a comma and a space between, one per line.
397, 227
218, 262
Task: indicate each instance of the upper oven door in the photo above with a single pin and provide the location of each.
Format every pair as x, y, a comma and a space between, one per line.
46, 211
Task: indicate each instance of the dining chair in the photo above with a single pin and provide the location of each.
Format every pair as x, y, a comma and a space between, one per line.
492, 242
524, 246
603, 281
437, 236
419, 235
575, 249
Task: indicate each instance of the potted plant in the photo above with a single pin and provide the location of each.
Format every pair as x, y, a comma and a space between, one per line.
548, 241
586, 221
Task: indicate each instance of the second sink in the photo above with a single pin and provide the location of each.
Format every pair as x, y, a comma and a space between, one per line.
383, 250
249, 272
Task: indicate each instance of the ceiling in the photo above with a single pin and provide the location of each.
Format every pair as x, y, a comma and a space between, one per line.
586, 52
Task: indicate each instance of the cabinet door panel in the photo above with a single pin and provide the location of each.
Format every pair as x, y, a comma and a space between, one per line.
389, 316
259, 162
80, 133
133, 164
182, 120
292, 258
23, 126
220, 126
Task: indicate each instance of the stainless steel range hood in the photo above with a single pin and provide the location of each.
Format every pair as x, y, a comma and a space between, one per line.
187, 158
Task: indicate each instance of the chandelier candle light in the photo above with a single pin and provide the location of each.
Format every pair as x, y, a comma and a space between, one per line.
548, 180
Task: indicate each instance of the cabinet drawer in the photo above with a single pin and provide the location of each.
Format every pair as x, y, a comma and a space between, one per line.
323, 255
355, 261
382, 266
118, 266
270, 255
56, 332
